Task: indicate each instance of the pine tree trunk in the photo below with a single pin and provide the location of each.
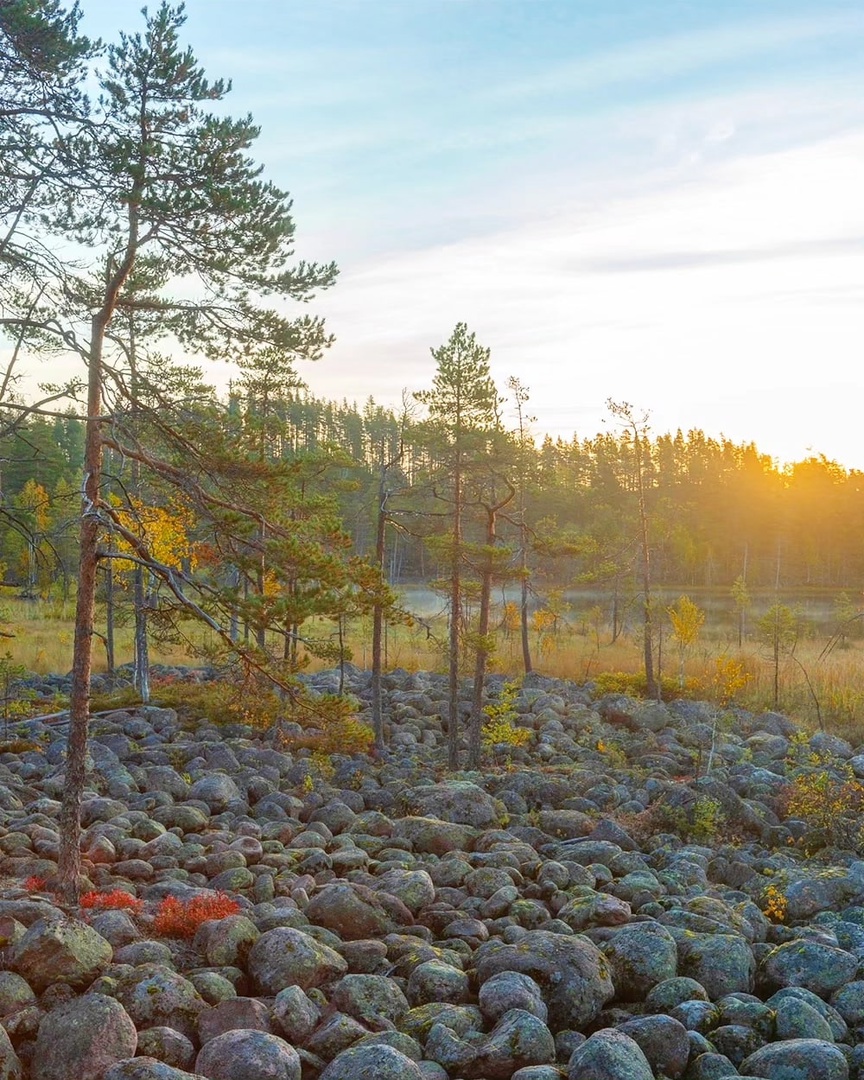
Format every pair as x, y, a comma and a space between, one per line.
69, 862
141, 667
523, 607
378, 622
109, 618
455, 619
475, 728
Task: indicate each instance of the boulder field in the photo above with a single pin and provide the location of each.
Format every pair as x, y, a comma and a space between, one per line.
624, 897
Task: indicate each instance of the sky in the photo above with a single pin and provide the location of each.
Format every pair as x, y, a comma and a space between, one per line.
653, 201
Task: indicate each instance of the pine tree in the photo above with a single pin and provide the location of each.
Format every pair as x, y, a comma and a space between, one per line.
463, 408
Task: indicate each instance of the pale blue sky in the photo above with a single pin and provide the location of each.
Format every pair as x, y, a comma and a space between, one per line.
651, 200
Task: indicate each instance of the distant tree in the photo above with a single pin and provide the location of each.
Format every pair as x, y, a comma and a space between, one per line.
463, 407
636, 428
687, 621
524, 444
741, 599
778, 629
491, 562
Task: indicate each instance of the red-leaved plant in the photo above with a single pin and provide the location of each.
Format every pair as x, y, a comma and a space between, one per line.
118, 900
181, 918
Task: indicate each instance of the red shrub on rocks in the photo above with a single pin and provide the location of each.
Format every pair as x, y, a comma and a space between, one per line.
118, 900
181, 918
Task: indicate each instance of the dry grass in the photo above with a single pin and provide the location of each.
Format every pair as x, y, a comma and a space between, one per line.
580, 652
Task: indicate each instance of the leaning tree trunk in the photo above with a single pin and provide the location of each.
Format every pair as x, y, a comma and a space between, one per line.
69, 859
69, 862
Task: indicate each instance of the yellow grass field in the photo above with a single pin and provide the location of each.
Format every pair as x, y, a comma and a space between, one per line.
812, 687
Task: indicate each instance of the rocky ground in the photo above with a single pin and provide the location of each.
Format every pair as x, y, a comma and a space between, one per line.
592, 906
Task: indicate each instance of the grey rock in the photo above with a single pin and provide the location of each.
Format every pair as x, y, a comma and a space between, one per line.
663, 1041
458, 801
295, 1014
10, 1064
166, 1044
83, 1038
61, 950
817, 967
642, 954
240, 1055
798, 1059
722, 963
156, 996
511, 990
377, 1061
355, 912
148, 1068
435, 980
374, 1000
287, 957
572, 973
609, 1055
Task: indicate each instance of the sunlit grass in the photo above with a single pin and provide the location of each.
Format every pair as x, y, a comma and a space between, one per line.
814, 687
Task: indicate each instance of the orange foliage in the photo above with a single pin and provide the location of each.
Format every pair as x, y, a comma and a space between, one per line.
118, 900
181, 918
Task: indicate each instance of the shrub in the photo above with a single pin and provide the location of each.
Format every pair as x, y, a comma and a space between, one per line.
181, 918
19, 746
500, 727
118, 900
830, 806
330, 726
625, 682
708, 820
222, 702
774, 904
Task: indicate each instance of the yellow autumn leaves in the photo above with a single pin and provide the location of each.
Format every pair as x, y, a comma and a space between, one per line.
166, 531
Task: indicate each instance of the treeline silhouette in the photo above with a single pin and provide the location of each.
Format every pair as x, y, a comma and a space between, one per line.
718, 510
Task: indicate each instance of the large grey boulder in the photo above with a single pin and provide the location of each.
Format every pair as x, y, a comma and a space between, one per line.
374, 1000
156, 996
376, 1060
414, 888
241, 1055
61, 950
355, 912
83, 1038
148, 1068
642, 954
609, 1055
571, 972
815, 966
217, 790
458, 801
722, 963
432, 836
10, 1064
517, 1040
797, 1059
287, 957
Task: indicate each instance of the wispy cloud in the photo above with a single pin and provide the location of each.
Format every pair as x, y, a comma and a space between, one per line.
693, 260
579, 337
